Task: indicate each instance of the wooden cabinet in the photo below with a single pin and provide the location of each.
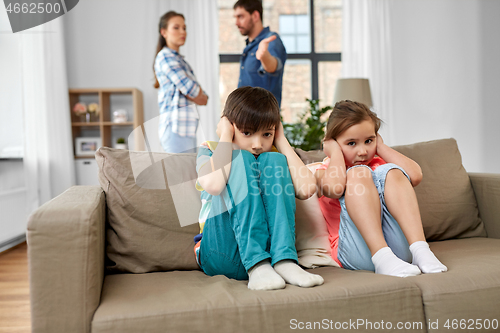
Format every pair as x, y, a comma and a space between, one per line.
102, 126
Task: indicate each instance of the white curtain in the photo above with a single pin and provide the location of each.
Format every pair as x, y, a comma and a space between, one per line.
366, 53
202, 53
48, 148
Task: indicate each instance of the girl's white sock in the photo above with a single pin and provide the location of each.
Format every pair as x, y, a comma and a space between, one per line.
387, 263
263, 277
293, 274
425, 259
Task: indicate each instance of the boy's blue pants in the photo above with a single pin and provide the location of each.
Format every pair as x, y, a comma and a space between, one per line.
252, 219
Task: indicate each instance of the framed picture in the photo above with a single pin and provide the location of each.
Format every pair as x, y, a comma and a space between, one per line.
87, 146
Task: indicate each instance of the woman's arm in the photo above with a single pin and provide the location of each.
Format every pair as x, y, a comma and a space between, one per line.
214, 174
332, 181
303, 180
391, 156
201, 99
175, 72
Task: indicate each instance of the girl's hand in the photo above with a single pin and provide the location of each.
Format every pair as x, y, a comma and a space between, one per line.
224, 127
331, 147
380, 142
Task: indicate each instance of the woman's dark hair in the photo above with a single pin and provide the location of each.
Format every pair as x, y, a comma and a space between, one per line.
252, 109
161, 40
346, 114
250, 6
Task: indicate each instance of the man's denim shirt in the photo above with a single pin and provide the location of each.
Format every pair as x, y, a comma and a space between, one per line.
251, 71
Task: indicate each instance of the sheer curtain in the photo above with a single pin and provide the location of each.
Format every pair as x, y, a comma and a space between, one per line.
48, 149
366, 53
202, 53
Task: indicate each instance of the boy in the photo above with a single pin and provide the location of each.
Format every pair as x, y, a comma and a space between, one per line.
247, 220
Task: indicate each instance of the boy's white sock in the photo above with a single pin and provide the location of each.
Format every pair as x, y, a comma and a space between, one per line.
387, 263
425, 259
293, 274
263, 277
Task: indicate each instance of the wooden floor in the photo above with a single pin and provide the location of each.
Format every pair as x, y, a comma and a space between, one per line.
14, 291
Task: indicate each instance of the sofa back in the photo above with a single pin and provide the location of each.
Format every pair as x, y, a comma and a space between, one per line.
153, 204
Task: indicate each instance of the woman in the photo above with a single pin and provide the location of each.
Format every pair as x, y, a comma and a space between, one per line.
179, 90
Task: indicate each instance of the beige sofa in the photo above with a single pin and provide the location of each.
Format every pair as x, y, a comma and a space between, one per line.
115, 258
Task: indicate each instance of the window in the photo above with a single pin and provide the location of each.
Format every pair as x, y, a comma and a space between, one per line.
294, 32
313, 42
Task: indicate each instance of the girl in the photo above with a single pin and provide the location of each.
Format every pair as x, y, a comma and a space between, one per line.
247, 220
179, 90
375, 225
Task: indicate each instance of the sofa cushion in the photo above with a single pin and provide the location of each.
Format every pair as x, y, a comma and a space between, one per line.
470, 289
152, 210
310, 156
445, 196
194, 302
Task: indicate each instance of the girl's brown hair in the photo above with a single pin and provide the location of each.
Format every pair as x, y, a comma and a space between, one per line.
252, 109
346, 114
161, 40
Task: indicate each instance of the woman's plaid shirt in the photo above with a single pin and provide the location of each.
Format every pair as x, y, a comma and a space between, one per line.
177, 80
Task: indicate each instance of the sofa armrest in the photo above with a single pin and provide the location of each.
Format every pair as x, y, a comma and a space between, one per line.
487, 190
66, 260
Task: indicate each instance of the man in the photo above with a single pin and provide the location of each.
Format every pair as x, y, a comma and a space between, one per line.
263, 59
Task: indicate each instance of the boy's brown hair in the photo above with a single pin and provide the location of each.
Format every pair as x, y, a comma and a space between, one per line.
252, 109
346, 114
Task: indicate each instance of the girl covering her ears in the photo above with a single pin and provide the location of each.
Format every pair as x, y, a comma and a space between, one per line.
249, 181
375, 223
179, 91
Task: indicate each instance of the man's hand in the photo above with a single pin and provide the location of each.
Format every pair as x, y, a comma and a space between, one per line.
263, 46
225, 128
331, 147
268, 61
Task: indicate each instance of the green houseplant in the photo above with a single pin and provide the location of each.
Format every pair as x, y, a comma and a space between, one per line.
121, 144
308, 132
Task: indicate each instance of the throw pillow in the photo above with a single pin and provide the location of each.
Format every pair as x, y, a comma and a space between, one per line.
445, 196
311, 233
310, 156
152, 210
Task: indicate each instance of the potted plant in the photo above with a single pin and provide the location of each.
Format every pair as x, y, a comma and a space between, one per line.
309, 131
120, 144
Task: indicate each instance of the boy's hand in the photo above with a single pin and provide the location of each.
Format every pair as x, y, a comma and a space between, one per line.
279, 136
331, 147
224, 127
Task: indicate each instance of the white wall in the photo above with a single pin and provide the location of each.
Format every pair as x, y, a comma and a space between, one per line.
445, 54
489, 14
446, 75
106, 47
113, 43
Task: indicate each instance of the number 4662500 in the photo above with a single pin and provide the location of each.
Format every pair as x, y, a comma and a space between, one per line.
471, 324
33, 8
